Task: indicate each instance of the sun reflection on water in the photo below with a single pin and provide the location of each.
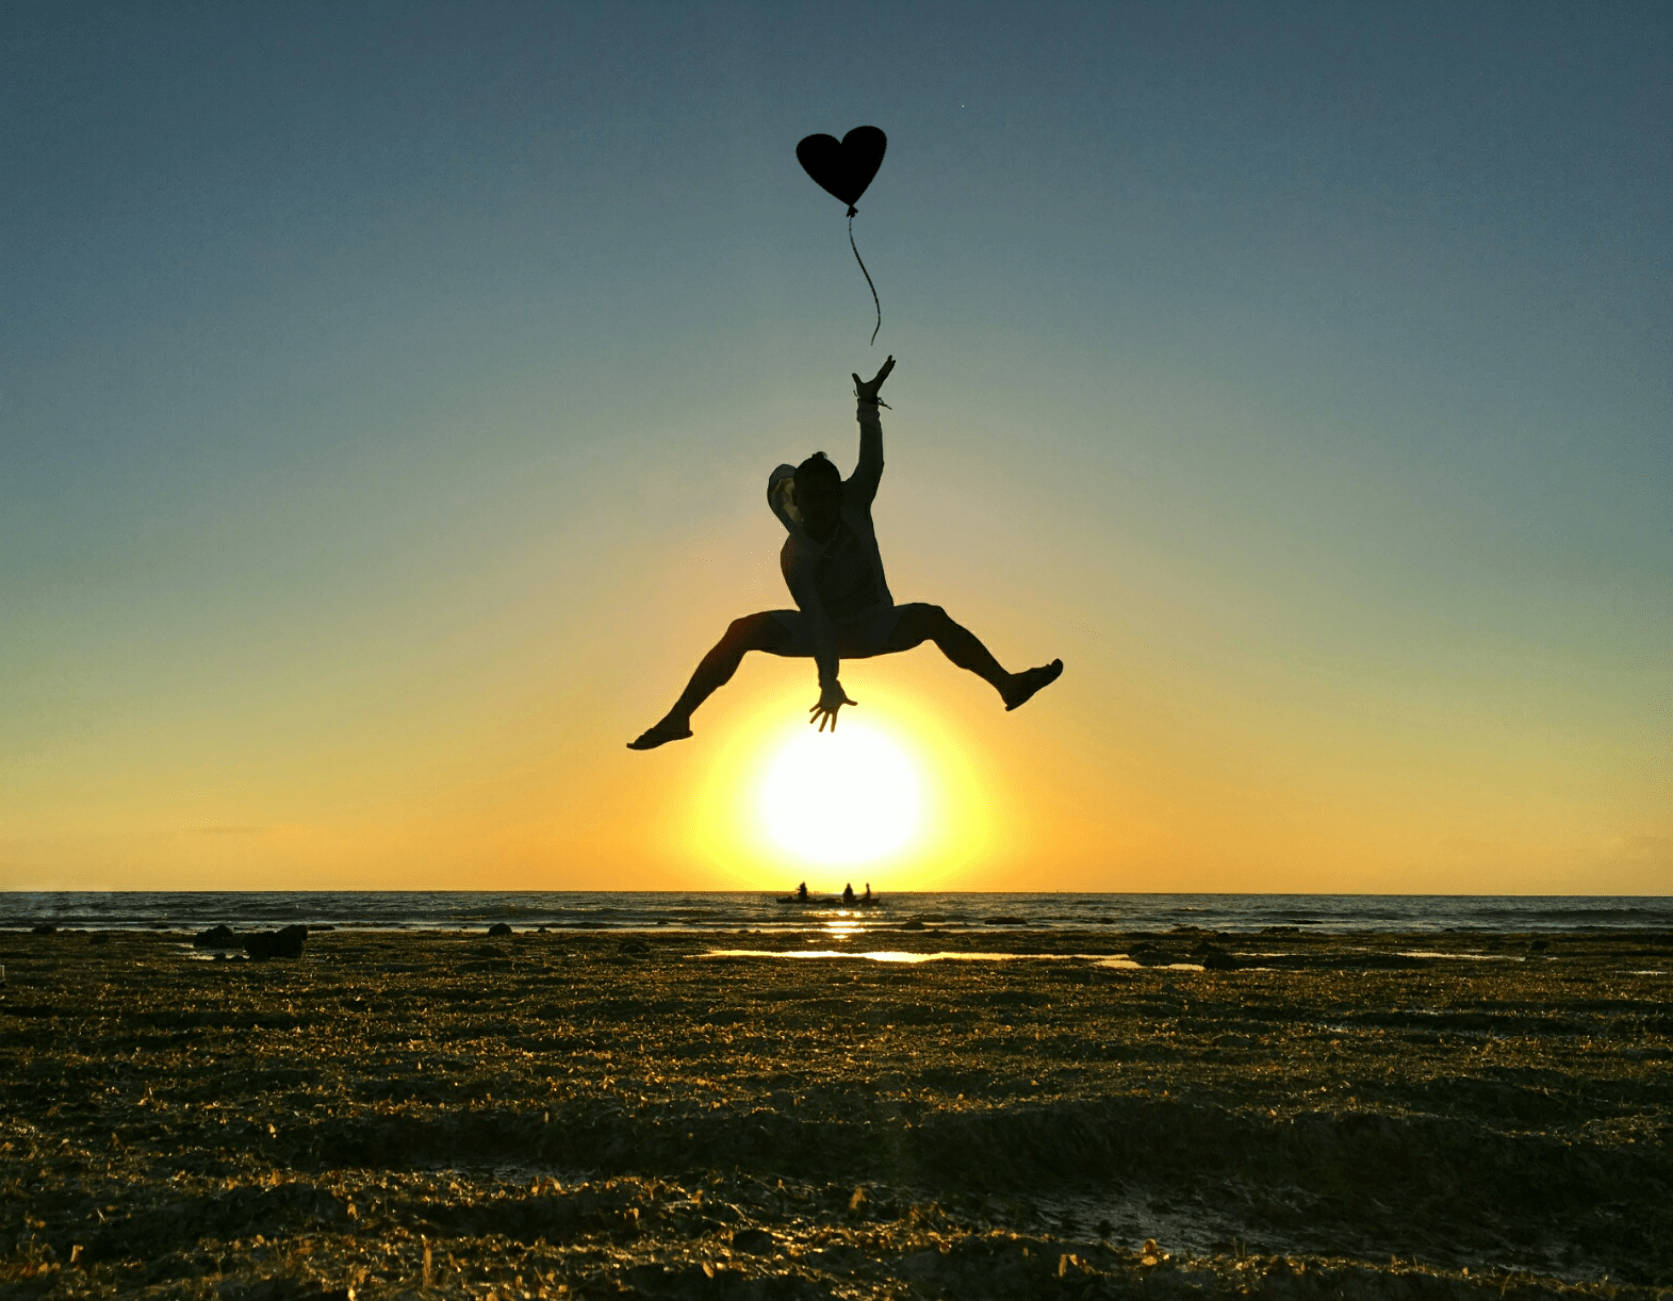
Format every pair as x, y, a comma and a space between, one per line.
841, 927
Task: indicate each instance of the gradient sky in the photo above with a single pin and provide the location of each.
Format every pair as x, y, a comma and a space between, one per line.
387, 393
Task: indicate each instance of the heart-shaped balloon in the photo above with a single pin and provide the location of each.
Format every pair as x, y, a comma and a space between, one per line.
843, 168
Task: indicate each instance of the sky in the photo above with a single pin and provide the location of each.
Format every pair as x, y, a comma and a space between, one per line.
388, 392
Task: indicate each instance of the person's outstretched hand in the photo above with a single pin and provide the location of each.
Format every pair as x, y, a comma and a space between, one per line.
831, 699
867, 389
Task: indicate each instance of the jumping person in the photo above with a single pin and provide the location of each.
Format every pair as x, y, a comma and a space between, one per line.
844, 610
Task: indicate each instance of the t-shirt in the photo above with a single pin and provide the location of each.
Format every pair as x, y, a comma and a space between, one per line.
845, 569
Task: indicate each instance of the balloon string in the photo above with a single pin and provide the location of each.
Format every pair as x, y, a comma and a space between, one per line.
867, 275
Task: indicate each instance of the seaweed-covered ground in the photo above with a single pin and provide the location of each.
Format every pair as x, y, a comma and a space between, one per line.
562, 1114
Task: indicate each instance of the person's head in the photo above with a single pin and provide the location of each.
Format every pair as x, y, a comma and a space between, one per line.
818, 494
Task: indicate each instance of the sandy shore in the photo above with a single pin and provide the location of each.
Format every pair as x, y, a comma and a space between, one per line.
571, 1114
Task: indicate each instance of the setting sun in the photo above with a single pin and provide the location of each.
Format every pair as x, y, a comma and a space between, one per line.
847, 798
899, 795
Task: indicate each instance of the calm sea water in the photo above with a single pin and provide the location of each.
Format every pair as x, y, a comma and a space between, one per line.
742, 911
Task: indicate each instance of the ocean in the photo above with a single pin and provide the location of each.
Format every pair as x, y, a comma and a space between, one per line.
745, 911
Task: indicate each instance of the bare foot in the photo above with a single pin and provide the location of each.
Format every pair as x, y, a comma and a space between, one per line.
667, 730
1023, 685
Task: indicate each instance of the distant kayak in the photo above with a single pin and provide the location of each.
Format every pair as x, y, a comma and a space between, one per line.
832, 901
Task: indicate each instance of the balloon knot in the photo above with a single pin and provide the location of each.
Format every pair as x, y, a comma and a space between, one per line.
853, 211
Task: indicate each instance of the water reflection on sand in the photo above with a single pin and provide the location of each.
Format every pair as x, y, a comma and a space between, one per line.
888, 955
1119, 961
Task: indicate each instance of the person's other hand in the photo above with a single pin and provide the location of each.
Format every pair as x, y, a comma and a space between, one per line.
867, 389
831, 699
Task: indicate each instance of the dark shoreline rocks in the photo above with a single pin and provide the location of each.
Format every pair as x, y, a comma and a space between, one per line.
285, 942
216, 937
259, 945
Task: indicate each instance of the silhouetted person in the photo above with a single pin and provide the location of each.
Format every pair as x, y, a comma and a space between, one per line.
801, 892
868, 892
844, 610
848, 892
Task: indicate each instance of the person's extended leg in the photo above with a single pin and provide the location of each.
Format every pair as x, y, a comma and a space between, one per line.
751, 632
920, 622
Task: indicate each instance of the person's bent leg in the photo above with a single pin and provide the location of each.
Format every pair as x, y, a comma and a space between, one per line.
920, 622
751, 632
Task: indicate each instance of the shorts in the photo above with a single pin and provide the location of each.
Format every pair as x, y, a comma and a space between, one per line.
856, 638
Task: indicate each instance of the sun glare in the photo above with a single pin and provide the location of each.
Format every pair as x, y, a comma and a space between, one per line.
900, 795
846, 798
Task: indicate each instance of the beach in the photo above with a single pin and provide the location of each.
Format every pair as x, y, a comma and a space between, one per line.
586, 1113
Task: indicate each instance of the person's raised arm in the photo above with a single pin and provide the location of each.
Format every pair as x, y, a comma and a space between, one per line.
869, 471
